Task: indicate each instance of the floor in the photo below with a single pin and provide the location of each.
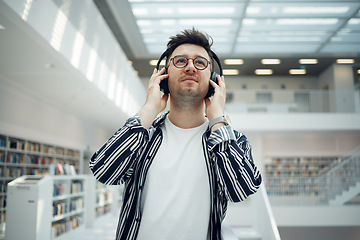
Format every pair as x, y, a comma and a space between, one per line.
104, 229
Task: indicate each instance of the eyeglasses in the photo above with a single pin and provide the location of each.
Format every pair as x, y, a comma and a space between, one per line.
200, 63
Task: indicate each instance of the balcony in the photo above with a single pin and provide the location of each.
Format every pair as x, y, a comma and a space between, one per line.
294, 110
293, 101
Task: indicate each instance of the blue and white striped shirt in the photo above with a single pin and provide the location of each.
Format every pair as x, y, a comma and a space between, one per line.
127, 156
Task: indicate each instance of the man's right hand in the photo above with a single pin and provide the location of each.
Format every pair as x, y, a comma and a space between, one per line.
155, 100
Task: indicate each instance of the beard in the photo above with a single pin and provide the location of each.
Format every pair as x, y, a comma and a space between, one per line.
190, 92
188, 95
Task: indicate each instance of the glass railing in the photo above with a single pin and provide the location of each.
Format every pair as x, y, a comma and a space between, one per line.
259, 223
293, 101
324, 189
265, 220
343, 176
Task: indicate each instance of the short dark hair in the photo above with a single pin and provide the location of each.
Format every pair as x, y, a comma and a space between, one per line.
190, 36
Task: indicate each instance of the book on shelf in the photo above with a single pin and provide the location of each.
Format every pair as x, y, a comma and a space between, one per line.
62, 169
59, 169
59, 208
2, 142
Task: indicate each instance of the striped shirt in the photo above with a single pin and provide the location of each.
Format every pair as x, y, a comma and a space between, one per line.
127, 156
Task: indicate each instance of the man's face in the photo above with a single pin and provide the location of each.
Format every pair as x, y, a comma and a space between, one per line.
189, 81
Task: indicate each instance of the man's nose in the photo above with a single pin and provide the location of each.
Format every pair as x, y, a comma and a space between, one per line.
190, 66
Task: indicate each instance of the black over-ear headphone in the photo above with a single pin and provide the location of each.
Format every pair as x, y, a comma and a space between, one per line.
164, 83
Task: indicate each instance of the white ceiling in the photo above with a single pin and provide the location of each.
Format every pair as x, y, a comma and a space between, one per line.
30, 65
24, 56
254, 27
245, 29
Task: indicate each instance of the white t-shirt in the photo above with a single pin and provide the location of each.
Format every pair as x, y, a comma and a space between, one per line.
176, 197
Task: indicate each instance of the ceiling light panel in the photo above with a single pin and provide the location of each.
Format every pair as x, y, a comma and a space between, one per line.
190, 9
300, 9
283, 36
346, 37
352, 25
264, 27
276, 48
291, 24
341, 48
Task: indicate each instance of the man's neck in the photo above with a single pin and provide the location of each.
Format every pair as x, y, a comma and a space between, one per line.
187, 117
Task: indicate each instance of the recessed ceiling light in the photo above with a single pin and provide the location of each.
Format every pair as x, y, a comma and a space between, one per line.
270, 61
316, 10
206, 22
207, 10
297, 71
234, 61
140, 11
354, 21
308, 61
144, 23
154, 62
307, 21
263, 71
358, 71
231, 72
345, 61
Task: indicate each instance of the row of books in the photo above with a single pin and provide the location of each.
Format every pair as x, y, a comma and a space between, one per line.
76, 204
59, 208
2, 141
11, 172
37, 147
100, 211
103, 198
62, 227
60, 189
3, 186
28, 159
2, 217
306, 160
294, 167
62, 169
15, 172
77, 187
2, 202
291, 193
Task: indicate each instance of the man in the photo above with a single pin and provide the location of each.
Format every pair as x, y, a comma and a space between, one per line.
179, 168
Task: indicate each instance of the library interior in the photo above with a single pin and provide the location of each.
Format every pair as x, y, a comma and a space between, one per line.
73, 72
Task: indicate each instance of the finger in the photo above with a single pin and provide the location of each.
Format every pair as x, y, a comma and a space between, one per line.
221, 80
161, 71
157, 76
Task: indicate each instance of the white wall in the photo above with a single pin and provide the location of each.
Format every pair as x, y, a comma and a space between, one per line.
24, 115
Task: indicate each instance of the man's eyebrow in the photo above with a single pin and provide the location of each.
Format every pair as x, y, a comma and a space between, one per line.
183, 55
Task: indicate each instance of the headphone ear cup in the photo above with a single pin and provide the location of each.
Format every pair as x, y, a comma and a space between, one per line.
164, 85
211, 88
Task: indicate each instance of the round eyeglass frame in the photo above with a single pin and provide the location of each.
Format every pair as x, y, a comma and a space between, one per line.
187, 61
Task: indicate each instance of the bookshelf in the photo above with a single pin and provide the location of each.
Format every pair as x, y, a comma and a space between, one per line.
54, 207
296, 176
68, 205
104, 200
20, 156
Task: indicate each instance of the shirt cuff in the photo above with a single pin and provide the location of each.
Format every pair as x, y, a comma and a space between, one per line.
221, 135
